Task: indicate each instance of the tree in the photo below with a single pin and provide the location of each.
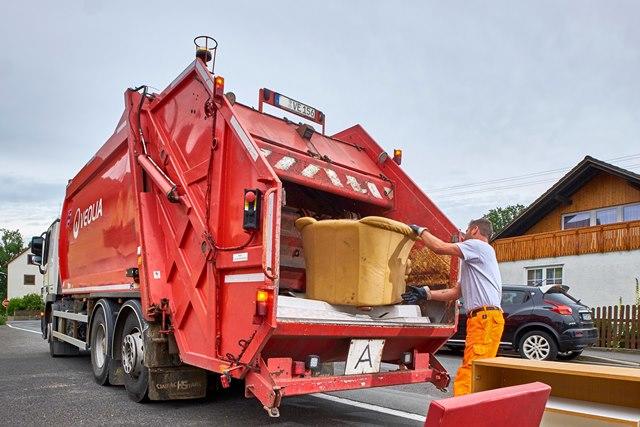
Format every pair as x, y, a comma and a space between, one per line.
11, 244
500, 217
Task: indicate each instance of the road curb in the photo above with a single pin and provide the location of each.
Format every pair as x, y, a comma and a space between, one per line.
606, 360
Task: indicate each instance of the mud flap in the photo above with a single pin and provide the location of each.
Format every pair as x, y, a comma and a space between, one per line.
183, 382
116, 373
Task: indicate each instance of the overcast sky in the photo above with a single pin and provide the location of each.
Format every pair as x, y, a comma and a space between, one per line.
471, 91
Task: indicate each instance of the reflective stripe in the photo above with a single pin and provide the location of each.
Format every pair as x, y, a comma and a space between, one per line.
333, 176
310, 171
355, 184
244, 138
182, 74
374, 190
121, 126
121, 287
244, 278
268, 258
285, 163
208, 81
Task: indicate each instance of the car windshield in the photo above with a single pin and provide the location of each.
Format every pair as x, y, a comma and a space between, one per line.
559, 296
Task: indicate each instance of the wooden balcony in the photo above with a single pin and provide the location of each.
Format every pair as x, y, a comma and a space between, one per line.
623, 236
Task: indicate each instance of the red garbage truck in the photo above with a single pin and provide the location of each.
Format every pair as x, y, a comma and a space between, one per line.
175, 261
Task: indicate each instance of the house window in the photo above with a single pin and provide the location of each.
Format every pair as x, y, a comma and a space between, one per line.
580, 219
547, 275
631, 213
29, 279
554, 275
604, 216
534, 276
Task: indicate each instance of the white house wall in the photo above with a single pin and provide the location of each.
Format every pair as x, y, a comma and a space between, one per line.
15, 277
596, 279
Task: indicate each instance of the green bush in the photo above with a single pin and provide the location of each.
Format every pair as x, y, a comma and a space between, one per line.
28, 302
3, 319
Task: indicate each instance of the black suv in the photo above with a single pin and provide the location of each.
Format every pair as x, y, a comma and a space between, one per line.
541, 322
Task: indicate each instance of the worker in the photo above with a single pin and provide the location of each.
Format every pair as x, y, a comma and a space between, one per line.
480, 286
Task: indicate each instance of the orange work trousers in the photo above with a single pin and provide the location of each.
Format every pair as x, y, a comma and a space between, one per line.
484, 331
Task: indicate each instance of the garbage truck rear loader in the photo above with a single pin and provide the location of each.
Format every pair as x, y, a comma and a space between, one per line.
179, 260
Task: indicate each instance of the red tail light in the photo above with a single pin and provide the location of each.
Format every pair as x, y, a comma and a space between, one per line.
565, 310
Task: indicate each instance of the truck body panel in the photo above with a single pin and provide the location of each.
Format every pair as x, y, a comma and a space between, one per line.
162, 213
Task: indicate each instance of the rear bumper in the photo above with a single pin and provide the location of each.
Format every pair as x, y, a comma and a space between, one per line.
577, 339
274, 379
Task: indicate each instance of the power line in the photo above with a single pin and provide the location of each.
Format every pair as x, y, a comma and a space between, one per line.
504, 187
524, 176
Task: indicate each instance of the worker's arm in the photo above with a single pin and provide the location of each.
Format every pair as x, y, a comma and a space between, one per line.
415, 293
436, 245
449, 294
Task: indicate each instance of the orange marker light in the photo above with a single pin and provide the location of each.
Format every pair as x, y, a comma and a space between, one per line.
262, 296
218, 86
261, 303
397, 156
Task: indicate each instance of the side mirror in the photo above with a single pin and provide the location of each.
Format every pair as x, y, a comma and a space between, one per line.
36, 245
34, 259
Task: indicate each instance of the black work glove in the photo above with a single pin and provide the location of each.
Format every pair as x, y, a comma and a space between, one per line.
417, 229
416, 293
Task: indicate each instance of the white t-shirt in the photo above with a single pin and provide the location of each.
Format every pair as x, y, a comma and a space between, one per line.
479, 275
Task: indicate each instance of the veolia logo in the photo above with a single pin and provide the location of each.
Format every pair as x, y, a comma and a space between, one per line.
83, 218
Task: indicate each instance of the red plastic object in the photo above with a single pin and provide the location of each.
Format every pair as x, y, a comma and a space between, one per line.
565, 310
521, 405
250, 197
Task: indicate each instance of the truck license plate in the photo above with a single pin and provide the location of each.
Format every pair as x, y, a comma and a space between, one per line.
364, 357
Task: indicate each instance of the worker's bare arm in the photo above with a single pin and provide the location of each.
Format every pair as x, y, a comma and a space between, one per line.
449, 294
440, 247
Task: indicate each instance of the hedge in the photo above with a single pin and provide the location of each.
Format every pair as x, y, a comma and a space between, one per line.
27, 302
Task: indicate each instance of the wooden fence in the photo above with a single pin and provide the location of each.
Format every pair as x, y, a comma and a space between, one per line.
623, 236
618, 326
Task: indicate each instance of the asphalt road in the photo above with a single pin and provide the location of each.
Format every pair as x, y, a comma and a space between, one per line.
36, 390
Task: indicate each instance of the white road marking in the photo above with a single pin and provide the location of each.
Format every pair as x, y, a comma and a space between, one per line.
23, 329
370, 407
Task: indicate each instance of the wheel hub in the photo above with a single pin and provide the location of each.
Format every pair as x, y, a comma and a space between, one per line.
536, 347
100, 347
132, 353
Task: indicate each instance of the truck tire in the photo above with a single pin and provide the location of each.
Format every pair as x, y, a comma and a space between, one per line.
538, 345
99, 342
136, 378
58, 348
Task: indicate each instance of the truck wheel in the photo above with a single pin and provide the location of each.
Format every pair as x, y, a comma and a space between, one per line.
99, 341
136, 378
538, 345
